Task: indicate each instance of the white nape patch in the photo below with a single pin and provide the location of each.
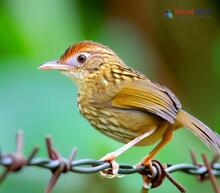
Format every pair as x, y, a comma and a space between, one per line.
72, 61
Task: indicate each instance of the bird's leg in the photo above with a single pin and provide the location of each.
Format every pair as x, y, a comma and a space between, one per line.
166, 138
110, 157
147, 160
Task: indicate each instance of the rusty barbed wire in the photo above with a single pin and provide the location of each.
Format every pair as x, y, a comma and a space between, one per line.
154, 174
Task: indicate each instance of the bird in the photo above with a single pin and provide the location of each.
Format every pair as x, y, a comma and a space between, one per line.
124, 104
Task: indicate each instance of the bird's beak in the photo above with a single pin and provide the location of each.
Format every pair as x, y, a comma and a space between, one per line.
54, 65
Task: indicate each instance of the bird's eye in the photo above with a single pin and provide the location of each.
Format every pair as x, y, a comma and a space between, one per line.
81, 58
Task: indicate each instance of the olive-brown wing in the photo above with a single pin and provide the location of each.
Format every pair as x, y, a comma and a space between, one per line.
147, 96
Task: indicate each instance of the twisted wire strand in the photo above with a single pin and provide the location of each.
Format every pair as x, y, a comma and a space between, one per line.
89, 166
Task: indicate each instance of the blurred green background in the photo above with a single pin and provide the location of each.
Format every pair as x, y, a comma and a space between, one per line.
182, 53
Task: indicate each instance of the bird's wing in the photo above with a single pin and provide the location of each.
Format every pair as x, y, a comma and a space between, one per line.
145, 95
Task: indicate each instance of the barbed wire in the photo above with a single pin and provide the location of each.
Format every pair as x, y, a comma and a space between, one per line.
154, 174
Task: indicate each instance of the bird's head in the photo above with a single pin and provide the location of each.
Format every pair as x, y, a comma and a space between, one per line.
83, 59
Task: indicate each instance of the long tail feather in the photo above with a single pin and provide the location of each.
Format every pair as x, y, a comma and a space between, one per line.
209, 137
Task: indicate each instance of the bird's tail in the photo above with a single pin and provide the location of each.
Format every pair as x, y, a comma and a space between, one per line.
209, 137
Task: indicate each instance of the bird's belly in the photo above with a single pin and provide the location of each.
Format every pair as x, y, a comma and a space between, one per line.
125, 125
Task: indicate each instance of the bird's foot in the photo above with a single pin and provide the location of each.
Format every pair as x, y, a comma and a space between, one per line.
146, 178
110, 157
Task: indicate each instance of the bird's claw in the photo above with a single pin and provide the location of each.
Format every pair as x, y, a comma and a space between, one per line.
114, 170
146, 179
110, 157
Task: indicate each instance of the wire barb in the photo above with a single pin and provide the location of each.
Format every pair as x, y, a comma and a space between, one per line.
153, 174
64, 165
14, 162
209, 172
